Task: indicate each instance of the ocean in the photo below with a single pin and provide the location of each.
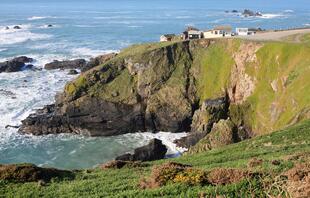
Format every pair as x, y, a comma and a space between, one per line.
84, 29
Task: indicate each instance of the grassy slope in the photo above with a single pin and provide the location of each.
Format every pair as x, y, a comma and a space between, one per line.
124, 182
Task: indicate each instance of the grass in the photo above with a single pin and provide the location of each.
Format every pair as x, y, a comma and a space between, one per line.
124, 182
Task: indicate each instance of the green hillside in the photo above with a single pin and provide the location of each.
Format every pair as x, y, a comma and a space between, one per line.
288, 148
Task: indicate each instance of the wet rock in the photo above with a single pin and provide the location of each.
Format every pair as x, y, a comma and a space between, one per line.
49, 25
15, 64
98, 61
155, 150
250, 13
17, 27
190, 140
7, 28
234, 11
31, 173
67, 64
72, 72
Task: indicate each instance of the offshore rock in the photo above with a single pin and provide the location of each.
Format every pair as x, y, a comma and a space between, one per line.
155, 150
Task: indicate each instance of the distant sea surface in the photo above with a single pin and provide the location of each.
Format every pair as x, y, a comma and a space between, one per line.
84, 29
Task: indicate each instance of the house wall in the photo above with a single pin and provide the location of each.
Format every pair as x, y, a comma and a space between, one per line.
216, 34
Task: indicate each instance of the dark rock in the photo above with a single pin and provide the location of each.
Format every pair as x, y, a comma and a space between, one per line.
90, 120
11, 126
29, 66
234, 11
16, 27
98, 61
7, 27
23, 59
250, 13
15, 64
67, 64
49, 25
190, 140
72, 72
31, 173
155, 150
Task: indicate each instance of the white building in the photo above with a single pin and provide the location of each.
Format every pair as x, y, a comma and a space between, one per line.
218, 32
245, 31
194, 34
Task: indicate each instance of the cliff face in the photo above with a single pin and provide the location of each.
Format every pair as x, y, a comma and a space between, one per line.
260, 87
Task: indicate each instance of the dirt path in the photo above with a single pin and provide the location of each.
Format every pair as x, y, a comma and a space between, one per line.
277, 36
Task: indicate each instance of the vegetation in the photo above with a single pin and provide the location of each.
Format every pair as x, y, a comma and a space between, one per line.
278, 152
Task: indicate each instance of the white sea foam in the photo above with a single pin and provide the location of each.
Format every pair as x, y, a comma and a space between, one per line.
289, 11
2, 49
271, 16
183, 17
40, 17
12, 36
167, 139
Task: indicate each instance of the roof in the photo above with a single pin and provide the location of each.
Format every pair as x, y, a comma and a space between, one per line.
223, 27
168, 35
194, 32
190, 28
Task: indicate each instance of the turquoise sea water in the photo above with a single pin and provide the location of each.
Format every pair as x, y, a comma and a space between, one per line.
82, 29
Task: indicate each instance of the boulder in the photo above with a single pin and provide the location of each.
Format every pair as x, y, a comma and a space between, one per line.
72, 72
66, 64
250, 13
155, 150
98, 61
17, 27
49, 25
190, 140
14, 65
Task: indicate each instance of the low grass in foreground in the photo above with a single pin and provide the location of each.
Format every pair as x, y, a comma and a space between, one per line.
288, 147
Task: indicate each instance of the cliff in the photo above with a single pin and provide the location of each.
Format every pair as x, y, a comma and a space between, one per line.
185, 86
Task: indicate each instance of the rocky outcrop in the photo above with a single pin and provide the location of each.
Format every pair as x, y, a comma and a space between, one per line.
223, 132
250, 13
93, 62
129, 93
155, 150
66, 64
210, 112
15, 65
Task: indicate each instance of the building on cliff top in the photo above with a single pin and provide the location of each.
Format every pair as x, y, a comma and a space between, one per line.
192, 33
217, 32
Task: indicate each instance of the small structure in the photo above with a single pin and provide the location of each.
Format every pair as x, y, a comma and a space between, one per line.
246, 31
167, 37
192, 33
217, 32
